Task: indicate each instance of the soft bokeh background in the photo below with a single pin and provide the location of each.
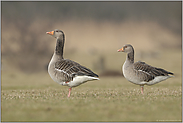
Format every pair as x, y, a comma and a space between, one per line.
94, 32
94, 28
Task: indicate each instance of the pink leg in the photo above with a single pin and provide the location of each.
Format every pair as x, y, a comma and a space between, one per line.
69, 92
142, 89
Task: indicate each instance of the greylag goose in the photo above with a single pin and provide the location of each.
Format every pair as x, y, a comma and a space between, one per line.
139, 72
65, 71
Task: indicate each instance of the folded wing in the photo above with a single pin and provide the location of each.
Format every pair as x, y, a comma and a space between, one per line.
69, 69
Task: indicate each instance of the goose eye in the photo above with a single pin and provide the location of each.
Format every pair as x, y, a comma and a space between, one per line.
56, 31
125, 46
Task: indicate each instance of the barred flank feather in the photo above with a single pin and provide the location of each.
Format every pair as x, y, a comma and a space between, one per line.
71, 69
149, 72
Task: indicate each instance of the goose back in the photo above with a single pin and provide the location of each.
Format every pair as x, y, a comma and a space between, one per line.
69, 69
148, 72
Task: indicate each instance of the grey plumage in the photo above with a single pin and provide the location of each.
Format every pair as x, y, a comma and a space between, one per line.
65, 71
139, 72
70, 69
148, 72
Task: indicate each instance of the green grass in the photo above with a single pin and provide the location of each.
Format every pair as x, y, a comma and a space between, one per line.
36, 97
106, 100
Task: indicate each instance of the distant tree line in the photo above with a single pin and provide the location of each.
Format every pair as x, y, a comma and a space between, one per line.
164, 12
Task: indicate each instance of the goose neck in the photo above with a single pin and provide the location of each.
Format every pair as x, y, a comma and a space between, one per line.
59, 47
130, 57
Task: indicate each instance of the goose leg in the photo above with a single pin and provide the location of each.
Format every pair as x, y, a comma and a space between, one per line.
142, 89
69, 92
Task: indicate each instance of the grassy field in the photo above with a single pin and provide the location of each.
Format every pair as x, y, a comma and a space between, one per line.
36, 97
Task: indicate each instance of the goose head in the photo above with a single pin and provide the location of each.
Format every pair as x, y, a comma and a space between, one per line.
56, 33
126, 48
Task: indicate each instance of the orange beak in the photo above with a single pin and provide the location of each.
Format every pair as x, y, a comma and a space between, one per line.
50, 33
121, 50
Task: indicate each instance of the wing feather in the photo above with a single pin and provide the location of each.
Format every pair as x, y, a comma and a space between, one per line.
69, 69
148, 71
144, 70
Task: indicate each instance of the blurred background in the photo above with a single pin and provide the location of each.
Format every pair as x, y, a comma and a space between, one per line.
94, 32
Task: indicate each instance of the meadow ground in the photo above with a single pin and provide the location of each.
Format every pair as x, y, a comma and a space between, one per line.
36, 97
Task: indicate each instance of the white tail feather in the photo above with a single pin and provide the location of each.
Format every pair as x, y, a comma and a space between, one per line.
80, 80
